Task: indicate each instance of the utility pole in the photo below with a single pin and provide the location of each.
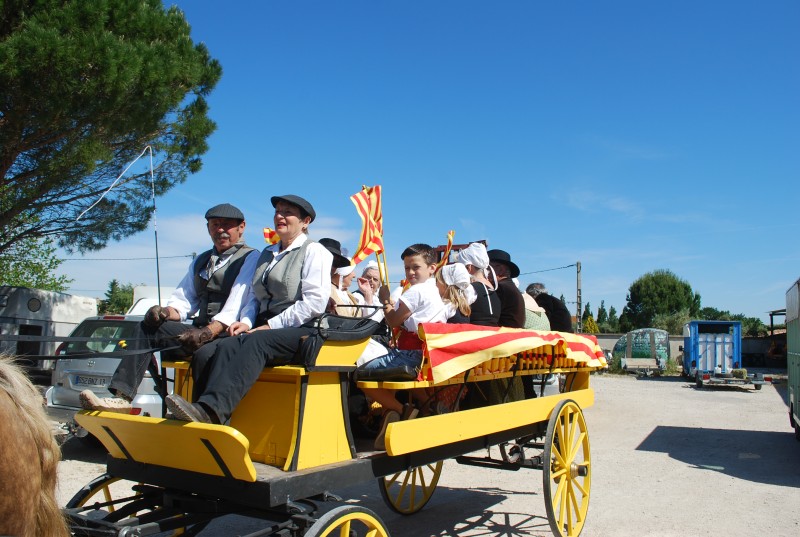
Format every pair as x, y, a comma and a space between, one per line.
578, 322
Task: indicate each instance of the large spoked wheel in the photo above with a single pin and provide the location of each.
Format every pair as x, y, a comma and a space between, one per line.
407, 492
108, 497
567, 469
348, 521
99, 492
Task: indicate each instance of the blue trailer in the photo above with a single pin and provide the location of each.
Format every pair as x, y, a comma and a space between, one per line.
712, 354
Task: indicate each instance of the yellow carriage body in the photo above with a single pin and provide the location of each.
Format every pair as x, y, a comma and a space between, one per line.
295, 418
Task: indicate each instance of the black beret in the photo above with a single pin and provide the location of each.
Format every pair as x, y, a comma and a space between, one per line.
298, 201
224, 210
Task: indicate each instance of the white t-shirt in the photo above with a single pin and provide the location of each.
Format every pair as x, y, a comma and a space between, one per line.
425, 304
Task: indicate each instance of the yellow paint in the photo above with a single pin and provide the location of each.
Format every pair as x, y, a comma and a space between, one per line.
414, 435
171, 443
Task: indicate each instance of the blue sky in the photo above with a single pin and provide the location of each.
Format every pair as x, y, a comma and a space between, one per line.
630, 136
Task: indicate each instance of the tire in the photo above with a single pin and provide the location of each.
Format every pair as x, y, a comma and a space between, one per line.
408, 491
757, 386
698, 381
348, 520
567, 471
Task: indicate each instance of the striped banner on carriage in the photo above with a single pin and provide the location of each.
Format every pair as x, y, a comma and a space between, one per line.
455, 348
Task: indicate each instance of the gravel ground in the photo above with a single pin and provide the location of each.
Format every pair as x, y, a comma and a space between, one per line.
668, 459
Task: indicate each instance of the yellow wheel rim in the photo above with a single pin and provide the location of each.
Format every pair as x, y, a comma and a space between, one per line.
567, 470
348, 521
99, 491
407, 492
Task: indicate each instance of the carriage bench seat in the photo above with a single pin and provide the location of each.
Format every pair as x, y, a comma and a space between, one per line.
294, 416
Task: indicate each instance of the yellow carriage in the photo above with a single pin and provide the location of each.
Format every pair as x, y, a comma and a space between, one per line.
289, 444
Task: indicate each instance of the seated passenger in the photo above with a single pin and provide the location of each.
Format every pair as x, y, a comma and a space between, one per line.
290, 289
421, 303
215, 288
342, 301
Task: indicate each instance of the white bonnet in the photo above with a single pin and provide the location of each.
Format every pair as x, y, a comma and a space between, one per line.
344, 271
456, 274
371, 264
475, 254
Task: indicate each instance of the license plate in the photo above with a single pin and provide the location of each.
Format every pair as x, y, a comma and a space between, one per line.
81, 380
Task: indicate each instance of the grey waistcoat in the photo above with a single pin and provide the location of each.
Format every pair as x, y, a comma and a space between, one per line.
214, 292
283, 282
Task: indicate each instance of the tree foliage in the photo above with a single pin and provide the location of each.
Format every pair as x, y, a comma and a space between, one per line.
119, 298
589, 326
84, 88
602, 314
32, 263
587, 312
657, 292
672, 322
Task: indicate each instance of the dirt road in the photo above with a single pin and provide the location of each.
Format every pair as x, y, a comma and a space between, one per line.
668, 459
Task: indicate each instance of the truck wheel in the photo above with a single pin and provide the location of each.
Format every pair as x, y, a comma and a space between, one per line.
698, 380
757, 387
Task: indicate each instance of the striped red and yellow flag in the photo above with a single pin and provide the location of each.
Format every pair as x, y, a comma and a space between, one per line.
368, 206
455, 348
446, 256
271, 236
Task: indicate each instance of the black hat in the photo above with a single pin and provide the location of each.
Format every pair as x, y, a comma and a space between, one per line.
298, 201
501, 256
335, 247
224, 210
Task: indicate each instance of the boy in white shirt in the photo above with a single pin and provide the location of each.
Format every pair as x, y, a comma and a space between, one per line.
420, 303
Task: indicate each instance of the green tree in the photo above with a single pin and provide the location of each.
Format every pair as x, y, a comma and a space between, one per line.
32, 263
672, 322
84, 88
657, 292
587, 312
119, 298
602, 314
589, 326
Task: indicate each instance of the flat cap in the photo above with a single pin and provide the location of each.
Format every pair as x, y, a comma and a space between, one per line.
304, 205
224, 210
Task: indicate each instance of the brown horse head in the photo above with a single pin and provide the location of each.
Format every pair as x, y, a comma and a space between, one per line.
29, 458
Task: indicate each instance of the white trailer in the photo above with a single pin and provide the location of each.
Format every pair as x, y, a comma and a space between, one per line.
34, 312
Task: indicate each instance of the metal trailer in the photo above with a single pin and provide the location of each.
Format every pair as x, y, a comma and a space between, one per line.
31, 319
793, 355
712, 355
644, 351
289, 445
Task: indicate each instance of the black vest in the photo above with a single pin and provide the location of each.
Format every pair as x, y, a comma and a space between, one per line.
214, 292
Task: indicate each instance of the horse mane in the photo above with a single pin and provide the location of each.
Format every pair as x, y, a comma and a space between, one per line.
29, 457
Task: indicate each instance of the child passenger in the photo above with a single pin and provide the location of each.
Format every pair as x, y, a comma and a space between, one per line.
421, 303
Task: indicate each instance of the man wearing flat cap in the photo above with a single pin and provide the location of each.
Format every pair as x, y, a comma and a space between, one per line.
215, 288
290, 289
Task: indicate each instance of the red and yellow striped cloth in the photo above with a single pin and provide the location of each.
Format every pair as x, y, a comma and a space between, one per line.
455, 348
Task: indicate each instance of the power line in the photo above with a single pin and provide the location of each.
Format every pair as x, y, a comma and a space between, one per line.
126, 258
547, 270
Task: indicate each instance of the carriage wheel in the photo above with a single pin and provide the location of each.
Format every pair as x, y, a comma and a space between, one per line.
348, 521
567, 469
99, 492
408, 491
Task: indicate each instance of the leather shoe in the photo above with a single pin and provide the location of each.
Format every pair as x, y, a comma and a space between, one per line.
183, 410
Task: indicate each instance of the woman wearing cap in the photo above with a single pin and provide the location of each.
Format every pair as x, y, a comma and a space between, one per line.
486, 308
291, 287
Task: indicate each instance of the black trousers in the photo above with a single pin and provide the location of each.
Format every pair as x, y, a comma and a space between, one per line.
238, 361
131, 369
